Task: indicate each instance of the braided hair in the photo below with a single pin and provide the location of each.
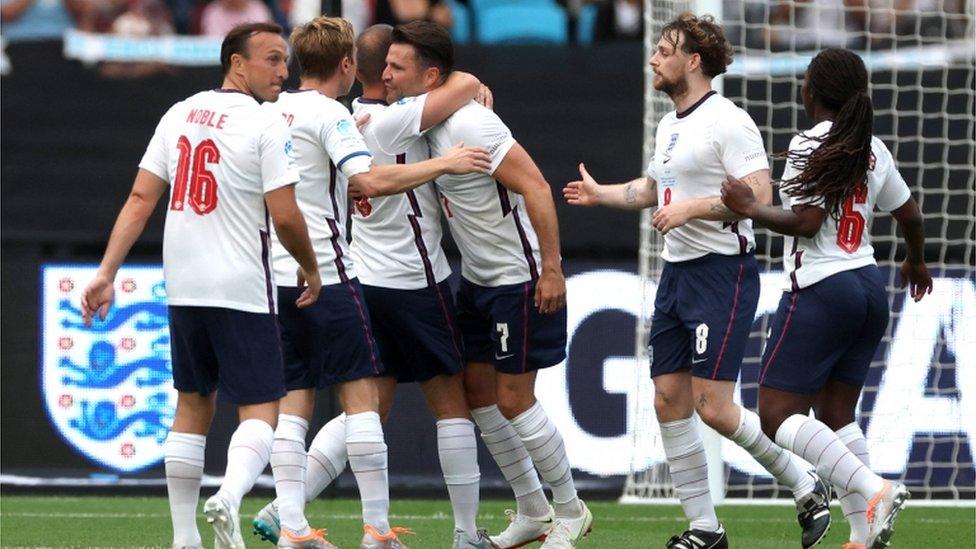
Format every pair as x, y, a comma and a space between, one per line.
832, 172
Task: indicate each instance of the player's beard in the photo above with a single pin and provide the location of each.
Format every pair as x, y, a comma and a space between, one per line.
674, 88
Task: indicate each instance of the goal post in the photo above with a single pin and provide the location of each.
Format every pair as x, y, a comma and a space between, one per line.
918, 409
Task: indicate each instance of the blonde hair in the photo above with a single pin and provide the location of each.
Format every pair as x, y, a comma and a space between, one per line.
321, 44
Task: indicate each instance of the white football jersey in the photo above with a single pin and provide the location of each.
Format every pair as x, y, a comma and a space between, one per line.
220, 152
694, 151
328, 150
396, 240
489, 223
845, 244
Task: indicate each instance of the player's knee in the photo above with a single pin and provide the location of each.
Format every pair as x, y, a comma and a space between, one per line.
512, 405
770, 423
835, 418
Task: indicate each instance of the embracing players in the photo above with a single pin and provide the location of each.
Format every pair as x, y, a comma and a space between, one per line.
226, 163
331, 342
511, 304
835, 308
709, 288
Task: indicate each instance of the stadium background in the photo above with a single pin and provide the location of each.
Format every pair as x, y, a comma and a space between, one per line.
70, 140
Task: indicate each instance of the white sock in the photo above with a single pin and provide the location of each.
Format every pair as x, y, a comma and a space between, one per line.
288, 467
247, 456
367, 459
789, 470
685, 452
458, 452
512, 458
326, 457
548, 452
816, 443
854, 504
184, 468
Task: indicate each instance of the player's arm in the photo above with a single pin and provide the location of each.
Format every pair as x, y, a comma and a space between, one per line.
712, 208
635, 195
518, 173
398, 178
289, 224
802, 220
146, 191
456, 92
913, 269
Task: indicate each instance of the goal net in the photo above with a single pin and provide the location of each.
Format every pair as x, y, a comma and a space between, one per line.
918, 410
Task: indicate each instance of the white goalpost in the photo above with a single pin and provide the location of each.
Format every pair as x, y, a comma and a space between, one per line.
919, 406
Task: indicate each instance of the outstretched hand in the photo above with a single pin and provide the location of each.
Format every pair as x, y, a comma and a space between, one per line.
461, 160
584, 192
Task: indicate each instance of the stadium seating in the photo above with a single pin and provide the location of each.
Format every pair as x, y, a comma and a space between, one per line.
586, 24
518, 22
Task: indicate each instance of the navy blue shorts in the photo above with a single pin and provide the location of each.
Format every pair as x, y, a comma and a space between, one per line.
328, 342
703, 313
829, 330
236, 353
416, 331
501, 325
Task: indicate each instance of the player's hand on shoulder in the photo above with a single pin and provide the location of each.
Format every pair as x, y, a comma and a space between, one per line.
98, 296
461, 160
550, 292
738, 196
916, 276
312, 282
485, 97
584, 192
361, 122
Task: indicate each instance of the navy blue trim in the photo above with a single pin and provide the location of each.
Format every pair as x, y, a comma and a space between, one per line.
334, 239
503, 198
352, 155
297, 91
526, 246
368, 101
697, 104
332, 189
265, 253
418, 240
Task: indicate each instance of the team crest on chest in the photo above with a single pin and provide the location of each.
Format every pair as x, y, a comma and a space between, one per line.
108, 388
672, 141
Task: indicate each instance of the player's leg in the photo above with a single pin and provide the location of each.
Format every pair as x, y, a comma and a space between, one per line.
457, 450
303, 360
674, 406
533, 515
855, 313
195, 379
837, 403
523, 342
721, 314
184, 455
252, 377
835, 407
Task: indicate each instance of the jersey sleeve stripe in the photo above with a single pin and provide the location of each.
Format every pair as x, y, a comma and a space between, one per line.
351, 155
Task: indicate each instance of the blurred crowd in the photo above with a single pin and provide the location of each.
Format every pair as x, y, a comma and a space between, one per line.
794, 24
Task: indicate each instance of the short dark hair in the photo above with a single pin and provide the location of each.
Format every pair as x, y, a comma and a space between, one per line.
702, 36
236, 40
371, 48
432, 42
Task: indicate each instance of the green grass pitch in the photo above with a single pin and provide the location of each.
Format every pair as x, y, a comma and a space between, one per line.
144, 522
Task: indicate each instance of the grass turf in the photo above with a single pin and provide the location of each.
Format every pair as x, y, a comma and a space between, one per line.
27, 521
